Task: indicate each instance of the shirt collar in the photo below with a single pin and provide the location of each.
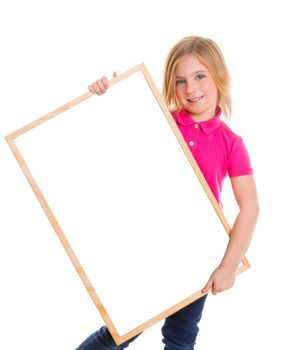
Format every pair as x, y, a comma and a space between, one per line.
208, 126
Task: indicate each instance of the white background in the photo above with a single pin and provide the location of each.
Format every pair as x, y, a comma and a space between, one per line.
51, 51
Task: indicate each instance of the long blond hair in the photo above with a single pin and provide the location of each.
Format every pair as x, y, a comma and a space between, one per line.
210, 55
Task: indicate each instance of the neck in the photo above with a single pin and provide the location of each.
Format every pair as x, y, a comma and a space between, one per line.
204, 117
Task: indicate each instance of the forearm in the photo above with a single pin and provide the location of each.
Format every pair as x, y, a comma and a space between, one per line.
240, 237
246, 196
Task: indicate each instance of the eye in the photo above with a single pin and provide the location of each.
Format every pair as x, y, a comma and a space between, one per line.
200, 77
179, 82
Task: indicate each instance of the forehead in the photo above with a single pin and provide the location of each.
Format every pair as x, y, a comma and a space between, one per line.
188, 65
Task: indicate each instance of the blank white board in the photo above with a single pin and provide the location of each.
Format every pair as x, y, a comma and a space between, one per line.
127, 200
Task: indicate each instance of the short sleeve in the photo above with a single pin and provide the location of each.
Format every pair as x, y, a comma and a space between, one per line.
238, 159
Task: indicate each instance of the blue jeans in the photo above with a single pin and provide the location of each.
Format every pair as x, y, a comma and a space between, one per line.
179, 331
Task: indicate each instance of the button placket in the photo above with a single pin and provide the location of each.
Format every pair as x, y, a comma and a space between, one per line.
194, 137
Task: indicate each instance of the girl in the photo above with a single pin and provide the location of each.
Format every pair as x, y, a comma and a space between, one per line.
196, 89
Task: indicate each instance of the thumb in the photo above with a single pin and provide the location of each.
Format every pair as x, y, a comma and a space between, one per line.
208, 287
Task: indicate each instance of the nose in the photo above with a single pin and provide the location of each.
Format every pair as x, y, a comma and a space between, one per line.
191, 87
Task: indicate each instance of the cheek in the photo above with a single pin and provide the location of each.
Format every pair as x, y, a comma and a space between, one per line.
211, 89
179, 92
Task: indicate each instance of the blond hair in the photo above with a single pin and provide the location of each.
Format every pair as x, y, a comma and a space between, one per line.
210, 55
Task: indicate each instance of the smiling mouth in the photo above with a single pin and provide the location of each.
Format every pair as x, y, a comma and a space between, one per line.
195, 99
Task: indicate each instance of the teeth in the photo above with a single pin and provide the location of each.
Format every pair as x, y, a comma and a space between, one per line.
196, 99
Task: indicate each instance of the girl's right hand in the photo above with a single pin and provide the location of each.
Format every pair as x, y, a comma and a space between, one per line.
100, 86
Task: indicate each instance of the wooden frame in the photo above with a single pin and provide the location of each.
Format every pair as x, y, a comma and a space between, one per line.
119, 337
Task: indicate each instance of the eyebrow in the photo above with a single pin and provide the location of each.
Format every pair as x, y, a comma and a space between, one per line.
194, 73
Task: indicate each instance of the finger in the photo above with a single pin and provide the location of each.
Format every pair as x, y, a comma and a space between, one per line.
90, 88
105, 82
101, 86
215, 290
95, 88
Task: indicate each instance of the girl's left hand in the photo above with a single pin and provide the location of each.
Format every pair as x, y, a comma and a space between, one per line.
221, 279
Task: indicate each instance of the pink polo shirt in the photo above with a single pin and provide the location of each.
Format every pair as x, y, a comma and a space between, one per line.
217, 149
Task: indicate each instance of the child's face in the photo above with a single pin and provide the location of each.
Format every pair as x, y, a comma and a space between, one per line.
195, 88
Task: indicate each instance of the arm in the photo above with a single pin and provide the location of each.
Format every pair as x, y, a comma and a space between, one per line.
245, 193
